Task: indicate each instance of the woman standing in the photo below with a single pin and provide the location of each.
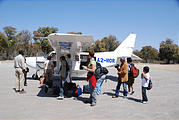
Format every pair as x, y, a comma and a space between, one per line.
91, 78
48, 69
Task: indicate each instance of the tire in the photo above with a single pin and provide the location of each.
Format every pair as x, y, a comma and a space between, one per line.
33, 76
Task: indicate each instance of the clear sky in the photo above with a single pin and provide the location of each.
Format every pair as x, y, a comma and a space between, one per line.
152, 20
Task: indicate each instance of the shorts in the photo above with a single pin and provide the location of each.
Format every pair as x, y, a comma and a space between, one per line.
130, 81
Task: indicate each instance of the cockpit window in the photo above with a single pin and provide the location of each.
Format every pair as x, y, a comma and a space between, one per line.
84, 58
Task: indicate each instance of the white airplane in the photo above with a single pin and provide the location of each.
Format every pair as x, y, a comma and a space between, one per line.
74, 44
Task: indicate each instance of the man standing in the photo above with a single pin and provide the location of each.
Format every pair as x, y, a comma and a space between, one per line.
63, 75
48, 70
122, 78
19, 65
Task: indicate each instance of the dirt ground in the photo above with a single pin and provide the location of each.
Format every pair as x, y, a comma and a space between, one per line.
35, 104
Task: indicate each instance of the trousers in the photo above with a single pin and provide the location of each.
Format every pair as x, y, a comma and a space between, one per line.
19, 79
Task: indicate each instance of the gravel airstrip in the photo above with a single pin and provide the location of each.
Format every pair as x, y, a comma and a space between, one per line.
163, 101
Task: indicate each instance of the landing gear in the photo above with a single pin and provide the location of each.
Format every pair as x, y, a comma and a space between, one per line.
35, 76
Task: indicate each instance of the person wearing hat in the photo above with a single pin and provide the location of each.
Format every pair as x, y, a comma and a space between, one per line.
122, 78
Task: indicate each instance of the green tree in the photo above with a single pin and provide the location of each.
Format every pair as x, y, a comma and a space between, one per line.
168, 50
149, 54
44, 32
138, 53
106, 44
24, 39
176, 55
7, 40
110, 43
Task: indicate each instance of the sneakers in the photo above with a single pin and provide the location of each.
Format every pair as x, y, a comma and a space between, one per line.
144, 102
17, 91
60, 98
132, 93
93, 103
22, 92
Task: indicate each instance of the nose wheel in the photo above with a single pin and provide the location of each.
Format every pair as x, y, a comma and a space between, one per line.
35, 76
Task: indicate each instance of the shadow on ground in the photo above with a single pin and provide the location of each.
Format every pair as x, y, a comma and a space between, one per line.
83, 99
134, 99
112, 94
128, 98
42, 93
112, 78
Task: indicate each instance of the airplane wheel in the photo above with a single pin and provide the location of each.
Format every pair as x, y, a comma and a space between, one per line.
33, 76
36, 77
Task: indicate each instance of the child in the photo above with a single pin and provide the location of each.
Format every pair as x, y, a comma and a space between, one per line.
145, 76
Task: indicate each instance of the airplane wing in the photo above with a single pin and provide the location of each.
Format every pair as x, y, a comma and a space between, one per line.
70, 42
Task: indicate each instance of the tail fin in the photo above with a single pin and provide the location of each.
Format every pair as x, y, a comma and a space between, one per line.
126, 47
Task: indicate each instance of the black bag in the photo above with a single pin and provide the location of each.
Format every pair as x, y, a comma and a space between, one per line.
27, 69
69, 89
100, 71
86, 89
104, 70
150, 85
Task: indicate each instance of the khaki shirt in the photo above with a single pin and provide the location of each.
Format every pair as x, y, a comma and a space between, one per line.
19, 62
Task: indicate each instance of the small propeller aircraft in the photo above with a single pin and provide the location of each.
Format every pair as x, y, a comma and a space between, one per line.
75, 44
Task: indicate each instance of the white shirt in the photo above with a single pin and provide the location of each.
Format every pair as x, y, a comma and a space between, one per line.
19, 62
144, 82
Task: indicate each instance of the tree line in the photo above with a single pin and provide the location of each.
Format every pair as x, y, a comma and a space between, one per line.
12, 41
168, 53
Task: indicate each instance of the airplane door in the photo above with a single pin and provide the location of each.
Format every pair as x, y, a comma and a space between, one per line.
83, 61
76, 63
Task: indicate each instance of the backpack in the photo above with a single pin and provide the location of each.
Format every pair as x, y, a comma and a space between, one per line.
100, 71
104, 70
77, 92
150, 85
69, 89
134, 72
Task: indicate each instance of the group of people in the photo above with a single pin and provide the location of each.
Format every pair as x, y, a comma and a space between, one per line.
65, 72
124, 76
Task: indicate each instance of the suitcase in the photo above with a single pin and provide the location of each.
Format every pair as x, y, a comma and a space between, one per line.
86, 89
